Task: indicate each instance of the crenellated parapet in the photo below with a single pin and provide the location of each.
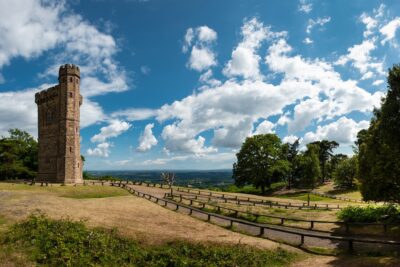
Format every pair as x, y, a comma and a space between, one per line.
69, 69
47, 95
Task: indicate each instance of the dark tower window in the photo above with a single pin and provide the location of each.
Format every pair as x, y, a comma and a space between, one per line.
71, 94
70, 79
70, 149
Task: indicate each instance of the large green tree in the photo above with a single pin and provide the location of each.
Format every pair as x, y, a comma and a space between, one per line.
18, 155
379, 147
307, 166
260, 162
325, 152
291, 150
345, 172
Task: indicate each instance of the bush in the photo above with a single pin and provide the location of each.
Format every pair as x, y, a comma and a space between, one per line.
66, 243
386, 213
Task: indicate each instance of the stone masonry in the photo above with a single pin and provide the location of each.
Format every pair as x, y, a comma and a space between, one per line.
58, 124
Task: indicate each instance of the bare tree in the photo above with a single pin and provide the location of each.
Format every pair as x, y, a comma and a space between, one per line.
168, 178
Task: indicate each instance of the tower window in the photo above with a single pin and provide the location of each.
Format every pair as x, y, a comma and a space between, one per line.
70, 149
70, 79
71, 94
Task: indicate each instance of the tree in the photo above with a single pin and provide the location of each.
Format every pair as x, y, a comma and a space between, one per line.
260, 162
379, 147
292, 150
168, 178
325, 152
345, 172
307, 169
18, 155
333, 163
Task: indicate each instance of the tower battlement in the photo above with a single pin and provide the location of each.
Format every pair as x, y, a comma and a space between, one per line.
46, 95
59, 154
68, 69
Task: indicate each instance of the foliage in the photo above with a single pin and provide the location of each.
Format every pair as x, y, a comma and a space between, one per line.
292, 150
345, 172
250, 189
371, 213
325, 152
18, 155
67, 243
307, 167
379, 147
260, 162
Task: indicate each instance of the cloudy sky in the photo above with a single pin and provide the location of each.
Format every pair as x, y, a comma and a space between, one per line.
171, 84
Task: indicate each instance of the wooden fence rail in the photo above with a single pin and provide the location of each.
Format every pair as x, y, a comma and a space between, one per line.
262, 228
282, 220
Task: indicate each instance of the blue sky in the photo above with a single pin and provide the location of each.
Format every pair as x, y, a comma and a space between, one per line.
181, 84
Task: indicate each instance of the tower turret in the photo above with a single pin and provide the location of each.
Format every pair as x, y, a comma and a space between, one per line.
59, 125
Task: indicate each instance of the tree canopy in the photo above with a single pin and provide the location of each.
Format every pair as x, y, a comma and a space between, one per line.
18, 155
379, 147
260, 161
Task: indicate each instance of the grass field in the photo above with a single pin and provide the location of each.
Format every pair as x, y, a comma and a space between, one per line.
137, 219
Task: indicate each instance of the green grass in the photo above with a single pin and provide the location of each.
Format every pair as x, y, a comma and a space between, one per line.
92, 192
304, 197
250, 189
78, 192
66, 243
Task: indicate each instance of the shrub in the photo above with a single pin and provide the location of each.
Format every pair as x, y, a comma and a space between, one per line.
385, 213
66, 243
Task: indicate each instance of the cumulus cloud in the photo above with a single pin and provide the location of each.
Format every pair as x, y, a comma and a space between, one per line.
360, 57
378, 82
389, 30
101, 150
70, 38
265, 127
343, 130
199, 41
245, 59
147, 140
114, 129
231, 109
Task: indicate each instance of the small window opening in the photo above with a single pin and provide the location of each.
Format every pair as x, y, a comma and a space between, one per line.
71, 94
70, 149
70, 79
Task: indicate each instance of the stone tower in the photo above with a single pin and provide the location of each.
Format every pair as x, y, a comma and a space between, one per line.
58, 124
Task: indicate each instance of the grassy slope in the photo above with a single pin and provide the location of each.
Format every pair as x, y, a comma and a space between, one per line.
135, 218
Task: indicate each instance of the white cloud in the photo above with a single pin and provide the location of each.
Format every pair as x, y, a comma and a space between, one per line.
207, 78
147, 140
201, 58
91, 113
378, 82
308, 41
114, 129
318, 22
343, 131
245, 60
18, 110
265, 127
389, 30
290, 139
30, 28
359, 56
206, 34
305, 6
101, 150
135, 114
199, 41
